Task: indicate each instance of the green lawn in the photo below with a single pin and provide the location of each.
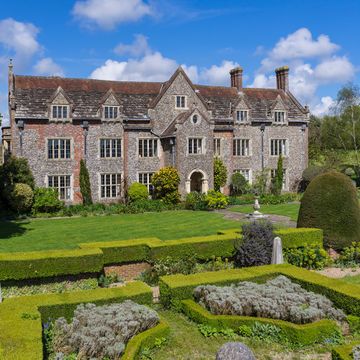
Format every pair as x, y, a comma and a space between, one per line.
43, 234
291, 210
352, 279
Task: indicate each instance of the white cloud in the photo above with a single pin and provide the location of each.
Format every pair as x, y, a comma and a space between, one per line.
48, 67
335, 70
139, 47
218, 74
109, 13
325, 105
152, 67
299, 45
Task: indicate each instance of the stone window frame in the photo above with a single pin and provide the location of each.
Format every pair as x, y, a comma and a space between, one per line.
111, 157
198, 121
185, 107
117, 107
59, 138
157, 155
285, 184
219, 145
203, 145
234, 148
149, 175
284, 121
62, 119
237, 121
119, 185
71, 187
242, 170
287, 148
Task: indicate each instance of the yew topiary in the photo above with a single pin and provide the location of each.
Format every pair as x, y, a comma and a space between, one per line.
330, 203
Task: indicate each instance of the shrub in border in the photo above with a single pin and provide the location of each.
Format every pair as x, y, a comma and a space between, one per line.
21, 317
300, 335
174, 288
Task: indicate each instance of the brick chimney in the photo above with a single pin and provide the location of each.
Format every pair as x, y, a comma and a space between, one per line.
282, 78
236, 77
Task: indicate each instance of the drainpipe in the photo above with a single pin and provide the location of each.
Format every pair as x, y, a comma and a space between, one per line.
85, 126
262, 129
20, 125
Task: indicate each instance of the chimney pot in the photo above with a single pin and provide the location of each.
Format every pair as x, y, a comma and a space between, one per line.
236, 77
282, 78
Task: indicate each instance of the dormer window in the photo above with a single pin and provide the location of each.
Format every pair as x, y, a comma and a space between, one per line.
110, 112
279, 117
60, 112
242, 116
180, 102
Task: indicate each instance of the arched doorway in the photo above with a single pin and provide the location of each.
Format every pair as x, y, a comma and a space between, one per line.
196, 181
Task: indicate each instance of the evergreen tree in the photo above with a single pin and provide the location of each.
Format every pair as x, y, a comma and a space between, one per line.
220, 174
85, 188
277, 181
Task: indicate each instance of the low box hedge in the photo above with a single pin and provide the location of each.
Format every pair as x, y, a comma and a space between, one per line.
344, 296
30, 265
343, 352
145, 340
298, 335
21, 317
91, 257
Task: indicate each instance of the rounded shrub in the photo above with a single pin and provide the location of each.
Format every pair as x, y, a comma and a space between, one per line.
309, 174
137, 192
195, 201
216, 200
330, 203
166, 182
46, 201
21, 198
239, 185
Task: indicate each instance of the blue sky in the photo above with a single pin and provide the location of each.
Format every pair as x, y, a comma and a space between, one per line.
147, 40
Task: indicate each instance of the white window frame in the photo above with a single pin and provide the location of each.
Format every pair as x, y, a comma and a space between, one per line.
243, 172
110, 185
59, 140
141, 148
176, 101
111, 148
275, 145
217, 146
58, 187
279, 117
59, 116
239, 117
240, 147
285, 182
142, 175
114, 112
193, 146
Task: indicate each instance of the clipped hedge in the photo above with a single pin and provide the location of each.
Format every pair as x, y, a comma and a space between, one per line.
91, 257
299, 335
174, 288
21, 317
30, 265
145, 340
343, 352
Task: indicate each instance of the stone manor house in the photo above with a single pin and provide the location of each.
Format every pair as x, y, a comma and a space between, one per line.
128, 130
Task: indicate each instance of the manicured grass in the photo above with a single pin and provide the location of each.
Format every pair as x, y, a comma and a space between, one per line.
290, 210
186, 342
352, 279
44, 234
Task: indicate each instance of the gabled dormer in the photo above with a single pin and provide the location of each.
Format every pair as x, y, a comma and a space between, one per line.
110, 109
60, 108
279, 112
241, 112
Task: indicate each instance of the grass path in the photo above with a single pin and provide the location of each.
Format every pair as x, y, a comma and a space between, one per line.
187, 343
44, 234
290, 210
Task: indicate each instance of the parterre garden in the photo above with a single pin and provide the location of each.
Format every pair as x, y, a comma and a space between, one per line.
214, 278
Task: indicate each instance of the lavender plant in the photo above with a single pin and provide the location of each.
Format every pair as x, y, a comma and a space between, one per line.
276, 299
101, 332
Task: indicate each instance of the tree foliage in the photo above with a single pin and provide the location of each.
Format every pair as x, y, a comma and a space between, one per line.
137, 192
277, 181
166, 182
239, 185
220, 174
85, 187
21, 198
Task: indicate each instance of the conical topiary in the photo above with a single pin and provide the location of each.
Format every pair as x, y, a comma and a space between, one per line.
330, 203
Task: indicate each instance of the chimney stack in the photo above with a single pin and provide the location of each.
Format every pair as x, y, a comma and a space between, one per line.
236, 77
282, 78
